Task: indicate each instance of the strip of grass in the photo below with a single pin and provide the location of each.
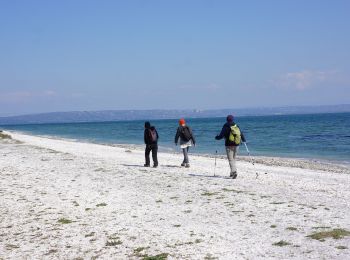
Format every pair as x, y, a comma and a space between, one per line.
208, 193
64, 221
341, 247
291, 228
5, 136
113, 242
336, 233
162, 256
232, 190
281, 243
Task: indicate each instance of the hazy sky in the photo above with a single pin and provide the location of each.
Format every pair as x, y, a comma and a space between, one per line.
97, 55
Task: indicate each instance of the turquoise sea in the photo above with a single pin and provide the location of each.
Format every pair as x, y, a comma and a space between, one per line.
313, 136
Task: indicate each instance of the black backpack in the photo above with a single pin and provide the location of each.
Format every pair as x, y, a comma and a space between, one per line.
186, 134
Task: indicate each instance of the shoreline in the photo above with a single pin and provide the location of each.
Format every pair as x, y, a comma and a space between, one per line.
303, 163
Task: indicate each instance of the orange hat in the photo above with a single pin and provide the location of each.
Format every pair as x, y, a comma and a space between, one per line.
182, 121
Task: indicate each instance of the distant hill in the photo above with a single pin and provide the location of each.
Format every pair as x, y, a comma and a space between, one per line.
119, 115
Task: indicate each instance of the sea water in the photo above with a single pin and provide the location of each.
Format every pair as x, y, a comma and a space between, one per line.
314, 136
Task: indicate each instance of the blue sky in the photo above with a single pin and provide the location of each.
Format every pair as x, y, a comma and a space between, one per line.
98, 55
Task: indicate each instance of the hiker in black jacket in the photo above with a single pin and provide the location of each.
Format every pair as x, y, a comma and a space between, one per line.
151, 140
231, 145
186, 136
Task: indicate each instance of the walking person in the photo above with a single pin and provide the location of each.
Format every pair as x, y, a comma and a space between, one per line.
151, 140
233, 137
186, 136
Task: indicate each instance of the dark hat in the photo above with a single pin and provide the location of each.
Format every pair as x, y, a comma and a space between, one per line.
229, 118
147, 124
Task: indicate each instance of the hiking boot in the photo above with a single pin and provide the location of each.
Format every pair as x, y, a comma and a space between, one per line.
183, 164
187, 165
155, 166
146, 165
233, 175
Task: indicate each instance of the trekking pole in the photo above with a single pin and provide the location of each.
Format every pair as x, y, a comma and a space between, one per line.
216, 155
251, 159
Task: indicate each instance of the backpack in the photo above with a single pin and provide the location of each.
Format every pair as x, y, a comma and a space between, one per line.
186, 134
235, 135
153, 135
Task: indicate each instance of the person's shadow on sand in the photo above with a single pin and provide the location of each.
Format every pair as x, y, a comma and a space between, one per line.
172, 166
141, 166
134, 165
209, 176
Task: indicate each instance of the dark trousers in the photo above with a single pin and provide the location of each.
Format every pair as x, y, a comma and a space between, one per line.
154, 149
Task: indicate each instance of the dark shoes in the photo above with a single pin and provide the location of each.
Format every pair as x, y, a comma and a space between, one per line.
154, 166
233, 175
187, 165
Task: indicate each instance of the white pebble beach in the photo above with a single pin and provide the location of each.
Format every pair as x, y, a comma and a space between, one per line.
61, 199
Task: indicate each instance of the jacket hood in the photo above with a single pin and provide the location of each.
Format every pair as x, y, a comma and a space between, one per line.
229, 124
147, 124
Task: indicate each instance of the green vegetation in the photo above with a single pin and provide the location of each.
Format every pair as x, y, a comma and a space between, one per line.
75, 203
210, 257
337, 233
113, 242
341, 247
64, 221
11, 246
177, 225
273, 226
321, 227
208, 193
87, 209
101, 205
277, 203
232, 190
140, 249
159, 201
291, 228
4, 136
161, 256
90, 234
281, 243
51, 251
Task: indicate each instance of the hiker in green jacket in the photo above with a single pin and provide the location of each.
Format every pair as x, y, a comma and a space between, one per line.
233, 137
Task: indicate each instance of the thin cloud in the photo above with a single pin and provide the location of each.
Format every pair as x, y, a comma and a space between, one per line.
22, 96
304, 79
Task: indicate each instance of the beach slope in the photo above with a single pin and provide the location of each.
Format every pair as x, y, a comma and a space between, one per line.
71, 200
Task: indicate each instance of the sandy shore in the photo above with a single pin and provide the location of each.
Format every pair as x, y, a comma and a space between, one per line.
70, 200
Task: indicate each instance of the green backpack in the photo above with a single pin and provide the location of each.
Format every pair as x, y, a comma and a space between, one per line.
235, 135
